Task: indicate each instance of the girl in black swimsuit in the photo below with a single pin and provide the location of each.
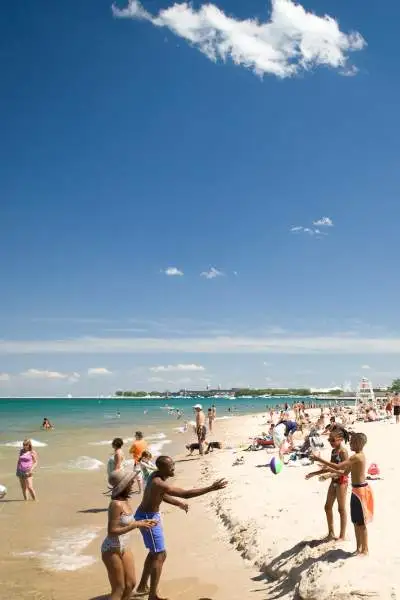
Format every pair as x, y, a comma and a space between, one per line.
338, 487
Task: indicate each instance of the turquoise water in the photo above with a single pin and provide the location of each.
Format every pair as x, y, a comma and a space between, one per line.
26, 414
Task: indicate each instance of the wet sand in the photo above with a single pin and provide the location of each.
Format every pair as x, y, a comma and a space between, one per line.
51, 549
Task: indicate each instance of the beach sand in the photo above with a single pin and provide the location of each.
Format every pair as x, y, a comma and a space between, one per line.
259, 538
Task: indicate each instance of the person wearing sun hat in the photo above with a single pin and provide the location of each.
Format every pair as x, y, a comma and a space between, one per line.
201, 430
115, 553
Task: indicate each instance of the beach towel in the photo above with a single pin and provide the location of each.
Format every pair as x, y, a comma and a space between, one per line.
361, 504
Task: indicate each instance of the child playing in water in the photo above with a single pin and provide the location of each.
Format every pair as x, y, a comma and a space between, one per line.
338, 487
362, 500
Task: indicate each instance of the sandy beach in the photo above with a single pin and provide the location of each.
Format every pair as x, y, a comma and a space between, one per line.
259, 538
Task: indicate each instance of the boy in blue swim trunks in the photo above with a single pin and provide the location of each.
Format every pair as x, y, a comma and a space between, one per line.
157, 491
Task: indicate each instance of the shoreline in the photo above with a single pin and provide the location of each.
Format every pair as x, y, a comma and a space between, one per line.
264, 530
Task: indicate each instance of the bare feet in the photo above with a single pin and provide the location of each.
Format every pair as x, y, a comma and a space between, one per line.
330, 536
142, 591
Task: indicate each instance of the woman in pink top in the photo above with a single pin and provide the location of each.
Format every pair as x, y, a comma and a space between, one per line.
27, 462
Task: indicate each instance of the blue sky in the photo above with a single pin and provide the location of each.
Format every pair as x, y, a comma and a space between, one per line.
163, 172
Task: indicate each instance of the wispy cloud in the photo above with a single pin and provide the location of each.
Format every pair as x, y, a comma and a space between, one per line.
301, 229
4, 377
43, 374
290, 344
212, 273
98, 371
291, 41
173, 272
366, 367
323, 222
176, 368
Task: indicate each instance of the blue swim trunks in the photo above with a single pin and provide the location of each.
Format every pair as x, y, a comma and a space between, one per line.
153, 538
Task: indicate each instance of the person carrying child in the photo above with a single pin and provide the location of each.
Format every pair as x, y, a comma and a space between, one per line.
337, 490
362, 499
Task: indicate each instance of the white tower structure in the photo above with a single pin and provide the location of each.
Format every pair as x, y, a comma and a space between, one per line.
365, 392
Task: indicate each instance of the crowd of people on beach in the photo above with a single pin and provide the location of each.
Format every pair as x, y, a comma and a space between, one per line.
286, 435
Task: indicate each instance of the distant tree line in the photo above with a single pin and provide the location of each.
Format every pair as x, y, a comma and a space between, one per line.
238, 393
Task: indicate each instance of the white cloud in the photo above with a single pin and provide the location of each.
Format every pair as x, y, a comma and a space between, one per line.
291, 41
173, 272
289, 344
43, 374
155, 379
95, 371
212, 273
366, 367
309, 230
4, 377
176, 368
323, 222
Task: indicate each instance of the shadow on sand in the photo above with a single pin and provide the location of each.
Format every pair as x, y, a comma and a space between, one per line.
287, 582
92, 511
188, 459
16, 500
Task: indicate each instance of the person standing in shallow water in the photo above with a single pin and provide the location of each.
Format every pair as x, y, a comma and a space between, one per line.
201, 430
27, 462
116, 462
158, 490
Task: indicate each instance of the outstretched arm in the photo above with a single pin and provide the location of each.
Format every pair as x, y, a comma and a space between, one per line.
343, 466
174, 502
194, 493
316, 473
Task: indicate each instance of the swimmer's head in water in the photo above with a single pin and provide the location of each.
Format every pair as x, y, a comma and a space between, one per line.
139, 435
166, 466
358, 441
117, 443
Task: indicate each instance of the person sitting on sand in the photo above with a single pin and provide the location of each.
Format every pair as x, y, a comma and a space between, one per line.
362, 500
331, 425
157, 491
116, 461
46, 424
115, 552
337, 490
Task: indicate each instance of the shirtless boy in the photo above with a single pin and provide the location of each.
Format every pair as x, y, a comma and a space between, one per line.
201, 430
362, 500
157, 491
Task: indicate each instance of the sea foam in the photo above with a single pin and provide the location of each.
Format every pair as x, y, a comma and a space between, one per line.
156, 448
85, 463
18, 444
65, 550
155, 436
